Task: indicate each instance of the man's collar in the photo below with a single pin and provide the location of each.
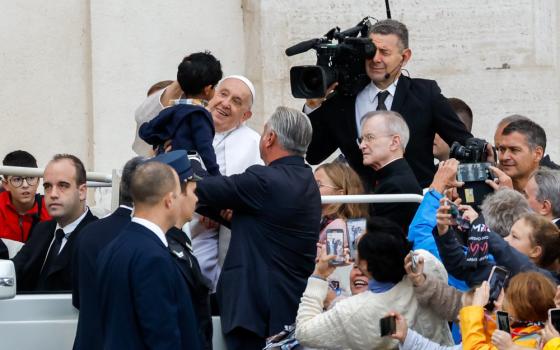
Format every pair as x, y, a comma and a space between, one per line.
68, 229
373, 90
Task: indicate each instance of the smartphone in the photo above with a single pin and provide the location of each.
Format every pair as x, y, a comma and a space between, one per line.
414, 261
554, 317
388, 325
496, 280
462, 224
503, 321
355, 228
335, 245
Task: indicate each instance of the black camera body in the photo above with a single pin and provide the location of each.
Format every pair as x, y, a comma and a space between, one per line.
342, 61
473, 170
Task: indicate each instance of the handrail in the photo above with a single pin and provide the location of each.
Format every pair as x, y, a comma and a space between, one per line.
97, 179
22, 171
373, 198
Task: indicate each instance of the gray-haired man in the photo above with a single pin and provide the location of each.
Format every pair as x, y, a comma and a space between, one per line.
275, 226
543, 193
383, 141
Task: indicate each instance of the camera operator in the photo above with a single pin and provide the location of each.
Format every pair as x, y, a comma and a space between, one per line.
336, 123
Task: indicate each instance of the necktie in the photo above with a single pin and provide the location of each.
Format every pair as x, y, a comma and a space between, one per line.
381, 96
53, 252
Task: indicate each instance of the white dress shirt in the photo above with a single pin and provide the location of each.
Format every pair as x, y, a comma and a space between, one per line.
68, 229
152, 227
366, 101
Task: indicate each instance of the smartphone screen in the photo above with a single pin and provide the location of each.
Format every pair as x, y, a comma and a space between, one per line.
335, 245
387, 325
355, 228
503, 321
554, 316
496, 280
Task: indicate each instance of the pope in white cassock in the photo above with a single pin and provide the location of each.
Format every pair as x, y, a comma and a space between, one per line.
236, 146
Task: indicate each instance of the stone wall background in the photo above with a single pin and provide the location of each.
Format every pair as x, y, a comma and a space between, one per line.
73, 72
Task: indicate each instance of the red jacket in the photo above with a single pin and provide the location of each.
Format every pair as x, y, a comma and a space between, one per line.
14, 226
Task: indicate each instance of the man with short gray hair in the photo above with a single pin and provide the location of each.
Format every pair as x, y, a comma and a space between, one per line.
543, 193
384, 138
274, 230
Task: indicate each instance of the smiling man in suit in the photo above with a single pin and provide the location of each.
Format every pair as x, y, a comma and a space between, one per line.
45, 261
336, 123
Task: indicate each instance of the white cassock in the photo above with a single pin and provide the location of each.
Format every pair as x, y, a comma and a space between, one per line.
236, 150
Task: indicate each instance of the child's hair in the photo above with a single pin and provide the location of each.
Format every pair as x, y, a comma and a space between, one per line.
345, 179
545, 235
197, 71
530, 295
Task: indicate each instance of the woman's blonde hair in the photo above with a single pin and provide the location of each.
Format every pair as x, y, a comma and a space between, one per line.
346, 180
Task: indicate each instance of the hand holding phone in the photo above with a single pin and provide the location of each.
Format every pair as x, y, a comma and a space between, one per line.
496, 280
387, 325
335, 246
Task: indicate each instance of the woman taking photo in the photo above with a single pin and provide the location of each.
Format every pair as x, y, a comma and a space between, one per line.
354, 321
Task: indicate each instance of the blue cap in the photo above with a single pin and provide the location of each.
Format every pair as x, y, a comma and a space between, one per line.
179, 161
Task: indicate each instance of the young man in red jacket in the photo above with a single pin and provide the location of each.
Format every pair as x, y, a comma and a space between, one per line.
20, 205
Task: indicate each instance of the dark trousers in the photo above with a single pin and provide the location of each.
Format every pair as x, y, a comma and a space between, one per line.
243, 339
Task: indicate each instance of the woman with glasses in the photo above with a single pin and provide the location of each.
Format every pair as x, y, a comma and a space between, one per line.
20, 205
335, 179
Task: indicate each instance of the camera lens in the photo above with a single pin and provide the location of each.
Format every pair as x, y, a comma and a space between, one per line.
311, 80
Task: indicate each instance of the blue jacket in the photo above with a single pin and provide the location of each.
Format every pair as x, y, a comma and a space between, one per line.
189, 127
144, 300
421, 227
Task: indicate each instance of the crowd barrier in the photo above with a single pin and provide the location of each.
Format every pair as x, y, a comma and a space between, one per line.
48, 321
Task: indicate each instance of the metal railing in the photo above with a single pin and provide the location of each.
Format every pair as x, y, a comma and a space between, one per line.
373, 198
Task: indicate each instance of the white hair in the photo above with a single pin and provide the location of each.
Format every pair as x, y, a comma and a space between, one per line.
293, 129
394, 123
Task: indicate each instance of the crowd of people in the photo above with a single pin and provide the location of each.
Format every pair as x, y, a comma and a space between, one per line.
217, 220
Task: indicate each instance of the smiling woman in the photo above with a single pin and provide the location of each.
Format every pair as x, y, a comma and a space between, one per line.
380, 281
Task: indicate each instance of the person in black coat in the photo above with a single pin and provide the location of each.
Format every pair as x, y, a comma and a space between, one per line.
180, 245
91, 242
144, 301
336, 123
275, 228
45, 261
4, 254
384, 138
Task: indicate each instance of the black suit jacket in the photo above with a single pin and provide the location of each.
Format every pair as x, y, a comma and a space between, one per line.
144, 301
30, 258
422, 105
275, 228
396, 178
4, 254
547, 162
199, 286
90, 243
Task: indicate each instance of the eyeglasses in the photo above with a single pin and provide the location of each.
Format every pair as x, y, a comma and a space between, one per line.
17, 181
327, 186
368, 138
